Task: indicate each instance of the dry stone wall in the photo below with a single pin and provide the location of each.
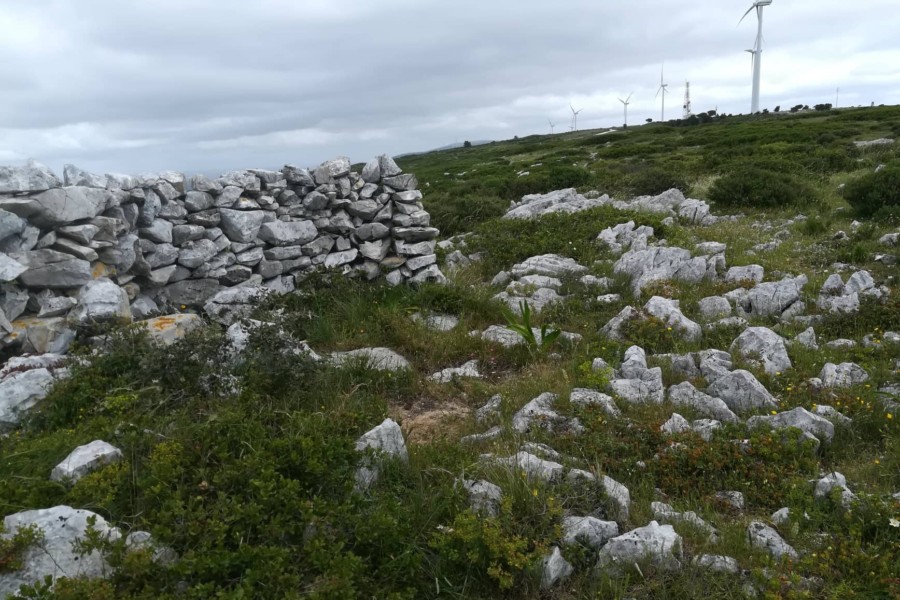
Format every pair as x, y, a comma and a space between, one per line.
89, 246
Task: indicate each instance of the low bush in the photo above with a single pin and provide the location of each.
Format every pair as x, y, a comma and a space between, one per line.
876, 192
752, 187
655, 180
454, 214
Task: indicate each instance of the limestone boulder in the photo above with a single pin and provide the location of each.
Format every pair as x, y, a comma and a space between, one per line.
669, 312
686, 395
742, 392
59, 206
53, 270
588, 531
56, 555
655, 544
241, 225
384, 442
551, 265
798, 418
168, 329
288, 233
843, 375
484, 497
773, 298
766, 538
554, 568
235, 303
101, 300
84, 459
33, 177
761, 344
379, 359
23, 385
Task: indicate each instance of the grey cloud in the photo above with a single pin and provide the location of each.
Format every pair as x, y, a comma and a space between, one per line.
202, 85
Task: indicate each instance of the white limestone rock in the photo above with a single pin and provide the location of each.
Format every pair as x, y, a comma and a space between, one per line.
469, 369
559, 201
766, 538
167, 329
585, 397
386, 441
741, 391
835, 480
59, 206
686, 395
669, 312
619, 495
765, 346
84, 459
32, 177
773, 298
379, 359
714, 307
613, 328
436, 322
532, 466
675, 425
490, 410
754, 273
25, 381
647, 387
588, 531
664, 513
234, 303
484, 497
654, 543
844, 375
717, 563
551, 265
780, 517
807, 338
508, 338
56, 556
554, 568
799, 418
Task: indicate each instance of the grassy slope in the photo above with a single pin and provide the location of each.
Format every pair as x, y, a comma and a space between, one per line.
253, 488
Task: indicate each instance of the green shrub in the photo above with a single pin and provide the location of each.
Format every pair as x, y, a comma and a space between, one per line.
875, 192
454, 214
656, 180
756, 188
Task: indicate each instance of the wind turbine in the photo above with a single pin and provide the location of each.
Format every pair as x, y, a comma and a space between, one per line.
552, 125
626, 102
664, 88
575, 117
756, 52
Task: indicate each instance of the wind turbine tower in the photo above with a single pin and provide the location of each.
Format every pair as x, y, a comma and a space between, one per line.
664, 89
687, 100
574, 125
626, 102
757, 50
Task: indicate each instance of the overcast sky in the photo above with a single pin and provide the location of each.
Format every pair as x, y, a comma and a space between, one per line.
131, 86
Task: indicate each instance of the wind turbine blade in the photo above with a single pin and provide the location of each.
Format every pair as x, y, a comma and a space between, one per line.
749, 10
628, 99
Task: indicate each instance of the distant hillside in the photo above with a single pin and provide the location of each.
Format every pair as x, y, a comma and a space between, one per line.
447, 147
466, 186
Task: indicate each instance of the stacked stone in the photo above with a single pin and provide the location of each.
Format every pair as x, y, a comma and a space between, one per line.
101, 246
